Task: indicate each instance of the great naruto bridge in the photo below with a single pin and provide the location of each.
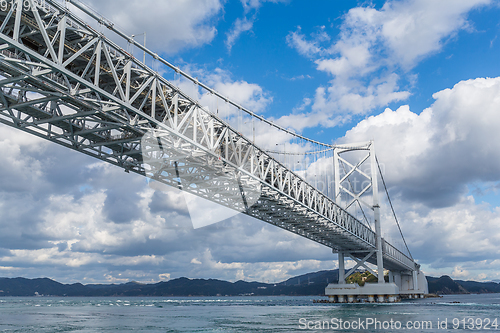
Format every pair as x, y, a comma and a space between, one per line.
64, 80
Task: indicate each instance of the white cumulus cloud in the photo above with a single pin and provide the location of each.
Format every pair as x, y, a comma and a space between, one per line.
371, 58
170, 26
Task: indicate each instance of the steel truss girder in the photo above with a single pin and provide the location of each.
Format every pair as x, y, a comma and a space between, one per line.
67, 83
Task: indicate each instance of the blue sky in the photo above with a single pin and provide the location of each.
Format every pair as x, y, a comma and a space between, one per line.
420, 77
264, 54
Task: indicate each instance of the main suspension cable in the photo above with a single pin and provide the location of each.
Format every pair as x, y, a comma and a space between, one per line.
298, 153
392, 208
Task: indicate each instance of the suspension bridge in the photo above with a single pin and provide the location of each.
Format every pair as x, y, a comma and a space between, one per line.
64, 80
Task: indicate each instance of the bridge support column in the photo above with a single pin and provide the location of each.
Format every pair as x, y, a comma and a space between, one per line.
411, 284
341, 268
376, 212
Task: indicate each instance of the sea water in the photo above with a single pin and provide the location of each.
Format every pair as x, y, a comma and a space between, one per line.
458, 313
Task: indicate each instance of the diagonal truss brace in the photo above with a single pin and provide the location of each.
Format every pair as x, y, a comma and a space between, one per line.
359, 263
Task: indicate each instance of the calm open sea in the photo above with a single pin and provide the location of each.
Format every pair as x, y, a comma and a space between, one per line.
458, 313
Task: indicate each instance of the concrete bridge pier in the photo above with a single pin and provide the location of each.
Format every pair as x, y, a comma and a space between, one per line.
401, 285
411, 284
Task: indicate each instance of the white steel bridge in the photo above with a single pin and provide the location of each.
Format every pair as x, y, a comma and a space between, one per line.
64, 81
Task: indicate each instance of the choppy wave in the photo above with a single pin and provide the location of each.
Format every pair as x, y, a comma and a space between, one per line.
223, 314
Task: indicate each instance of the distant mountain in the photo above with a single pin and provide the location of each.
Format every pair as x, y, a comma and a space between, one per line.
480, 287
446, 285
306, 284
321, 277
28, 287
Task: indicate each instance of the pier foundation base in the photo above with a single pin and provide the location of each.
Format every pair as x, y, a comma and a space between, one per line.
371, 292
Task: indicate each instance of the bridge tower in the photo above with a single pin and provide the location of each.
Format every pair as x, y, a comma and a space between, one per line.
349, 192
344, 186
